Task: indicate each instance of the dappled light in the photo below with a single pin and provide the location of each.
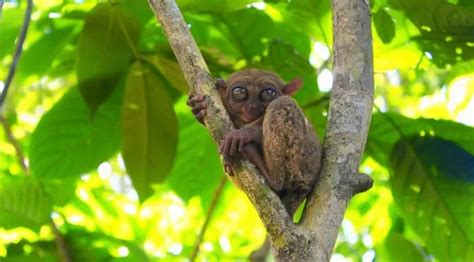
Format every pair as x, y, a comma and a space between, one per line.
100, 156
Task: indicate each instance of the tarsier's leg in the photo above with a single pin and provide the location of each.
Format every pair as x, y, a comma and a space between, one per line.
291, 151
253, 154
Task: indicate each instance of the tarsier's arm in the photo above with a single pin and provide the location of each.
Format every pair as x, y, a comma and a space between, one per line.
244, 142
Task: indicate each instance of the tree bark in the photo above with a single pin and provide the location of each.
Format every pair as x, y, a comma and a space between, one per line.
349, 118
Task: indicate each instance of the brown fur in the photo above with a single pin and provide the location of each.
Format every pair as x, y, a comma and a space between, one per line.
274, 134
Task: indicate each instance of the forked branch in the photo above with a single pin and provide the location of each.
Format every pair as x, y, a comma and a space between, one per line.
349, 119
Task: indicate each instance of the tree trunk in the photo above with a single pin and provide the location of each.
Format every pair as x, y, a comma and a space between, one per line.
313, 239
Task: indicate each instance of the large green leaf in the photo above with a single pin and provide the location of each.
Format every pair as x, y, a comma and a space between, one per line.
38, 58
384, 26
9, 29
149, 128
398, 248
312, 17
23, 202
249, 31
106, 45
433, 185
387, 129
68, 141
197, 168
445, 28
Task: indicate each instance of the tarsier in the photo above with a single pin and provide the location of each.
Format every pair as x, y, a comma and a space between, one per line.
271, 132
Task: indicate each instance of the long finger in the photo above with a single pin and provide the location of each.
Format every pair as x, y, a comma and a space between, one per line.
195, 99
241, 145
221, 147
227, 144
200, 115
233, 147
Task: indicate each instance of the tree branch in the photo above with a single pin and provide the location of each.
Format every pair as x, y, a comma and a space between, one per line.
348, 122
349, 117
268, 205
17, 54
61, 244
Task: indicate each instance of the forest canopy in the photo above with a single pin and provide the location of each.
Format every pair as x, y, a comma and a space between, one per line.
100, 155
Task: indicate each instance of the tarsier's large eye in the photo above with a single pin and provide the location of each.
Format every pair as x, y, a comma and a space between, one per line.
268, 94
239, 93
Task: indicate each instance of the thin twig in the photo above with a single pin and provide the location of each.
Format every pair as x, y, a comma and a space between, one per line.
14, 142
60, 243
17, 54
210, 211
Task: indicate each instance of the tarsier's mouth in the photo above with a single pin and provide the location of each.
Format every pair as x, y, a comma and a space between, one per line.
250, 117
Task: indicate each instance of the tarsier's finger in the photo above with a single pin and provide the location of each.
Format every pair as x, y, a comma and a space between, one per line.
241, 145
201, 114
196, 110
221, 147
226, 148
198, 106
196, 99
233, 146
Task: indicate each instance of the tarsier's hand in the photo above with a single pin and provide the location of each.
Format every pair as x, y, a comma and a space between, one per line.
198, 106
233, 142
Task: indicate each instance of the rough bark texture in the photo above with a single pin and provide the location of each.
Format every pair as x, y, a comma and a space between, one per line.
349, 117
348, 123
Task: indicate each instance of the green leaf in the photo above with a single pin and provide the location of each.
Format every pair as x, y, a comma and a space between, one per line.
38, 58
384, 25
250, 31
398, 248
385, 131
23, 202
214, 5
433, 185
173, 73
9, 29
106, 46
149, 128
68, 141
197, 169
98, 246
310, 17
445, 29
459, 69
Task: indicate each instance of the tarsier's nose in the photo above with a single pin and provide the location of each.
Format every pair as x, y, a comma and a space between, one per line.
254, 109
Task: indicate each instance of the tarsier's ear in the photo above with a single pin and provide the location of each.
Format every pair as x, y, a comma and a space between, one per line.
292, 87
221, 86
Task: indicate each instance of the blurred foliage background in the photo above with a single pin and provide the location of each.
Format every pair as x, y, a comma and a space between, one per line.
118, 169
